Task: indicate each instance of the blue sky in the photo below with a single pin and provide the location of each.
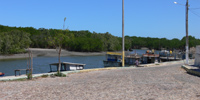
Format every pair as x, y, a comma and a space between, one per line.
144, 18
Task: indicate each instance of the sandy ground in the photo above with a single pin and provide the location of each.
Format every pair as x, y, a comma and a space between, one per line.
50, 52
167, 82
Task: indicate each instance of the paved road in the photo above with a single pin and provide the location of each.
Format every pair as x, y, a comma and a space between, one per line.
167, 82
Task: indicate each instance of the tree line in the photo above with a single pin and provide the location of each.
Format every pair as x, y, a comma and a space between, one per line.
16, 39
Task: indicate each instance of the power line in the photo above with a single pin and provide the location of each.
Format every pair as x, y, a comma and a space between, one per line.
194, 8
194, 13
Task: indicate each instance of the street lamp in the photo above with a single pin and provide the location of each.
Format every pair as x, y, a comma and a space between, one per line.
122, 33
187, 45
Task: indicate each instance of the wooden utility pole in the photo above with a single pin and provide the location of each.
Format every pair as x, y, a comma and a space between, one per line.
187, 40
122, 33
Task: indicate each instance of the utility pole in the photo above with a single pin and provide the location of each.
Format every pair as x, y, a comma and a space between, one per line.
122, 33
187, 45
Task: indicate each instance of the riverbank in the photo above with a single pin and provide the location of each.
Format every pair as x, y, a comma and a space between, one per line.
49, 53
167, 82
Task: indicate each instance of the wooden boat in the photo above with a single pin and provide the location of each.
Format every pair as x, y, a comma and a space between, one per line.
67, 66
131, 59
113, 59
170, 56
150, 57
1, 74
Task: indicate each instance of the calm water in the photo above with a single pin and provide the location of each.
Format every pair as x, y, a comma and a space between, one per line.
41, 64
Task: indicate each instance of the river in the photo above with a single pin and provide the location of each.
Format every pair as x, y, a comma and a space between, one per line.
41, 64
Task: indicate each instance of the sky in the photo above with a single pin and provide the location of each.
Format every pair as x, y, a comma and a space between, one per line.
143, 18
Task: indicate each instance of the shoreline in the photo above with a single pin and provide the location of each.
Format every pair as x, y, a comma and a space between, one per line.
38, 52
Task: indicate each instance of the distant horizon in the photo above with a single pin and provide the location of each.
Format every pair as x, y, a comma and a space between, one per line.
98, 32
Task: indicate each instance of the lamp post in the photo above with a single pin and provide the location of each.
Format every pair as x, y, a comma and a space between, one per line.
122, 33
187, 40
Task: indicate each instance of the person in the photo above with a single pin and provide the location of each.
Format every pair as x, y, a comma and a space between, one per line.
137, 63
170, 52
152, 51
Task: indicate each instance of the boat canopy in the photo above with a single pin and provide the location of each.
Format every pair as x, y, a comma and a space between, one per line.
114, 53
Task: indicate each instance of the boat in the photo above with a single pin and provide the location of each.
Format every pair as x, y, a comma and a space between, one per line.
166, 55
66, 66
113, 59
132, 59
1, 74
150, 57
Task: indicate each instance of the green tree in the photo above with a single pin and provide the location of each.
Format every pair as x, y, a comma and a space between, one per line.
57, 41
14, 41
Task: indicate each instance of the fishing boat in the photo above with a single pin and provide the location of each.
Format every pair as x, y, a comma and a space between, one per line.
150, 57
1, 74
113, 59
166, 55
66, 66
132, 59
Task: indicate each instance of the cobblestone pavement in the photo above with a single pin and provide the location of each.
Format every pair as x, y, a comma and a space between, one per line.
168, 82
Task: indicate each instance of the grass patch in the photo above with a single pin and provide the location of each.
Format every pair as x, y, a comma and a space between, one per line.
60, 75
44, 76
20, 79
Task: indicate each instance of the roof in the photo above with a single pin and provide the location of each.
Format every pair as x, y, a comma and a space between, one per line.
114, 53
68, 63
150, 55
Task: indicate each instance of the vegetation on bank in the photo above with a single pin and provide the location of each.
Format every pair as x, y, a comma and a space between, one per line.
15, 39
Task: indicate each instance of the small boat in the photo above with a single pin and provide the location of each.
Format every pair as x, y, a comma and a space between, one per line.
166, 55
150, 57
132, 59
67, 66
113, 59
1, 74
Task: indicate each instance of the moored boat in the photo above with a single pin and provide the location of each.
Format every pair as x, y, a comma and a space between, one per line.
166, 55
150, 57
1, 74
132, 59
113, 59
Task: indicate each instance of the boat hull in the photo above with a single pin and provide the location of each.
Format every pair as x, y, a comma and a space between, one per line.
1, 74
112, 64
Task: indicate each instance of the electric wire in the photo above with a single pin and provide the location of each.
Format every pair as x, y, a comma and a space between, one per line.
194, 8
194, 13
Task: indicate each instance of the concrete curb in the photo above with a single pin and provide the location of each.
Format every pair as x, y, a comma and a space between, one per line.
12, 78
191, 70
